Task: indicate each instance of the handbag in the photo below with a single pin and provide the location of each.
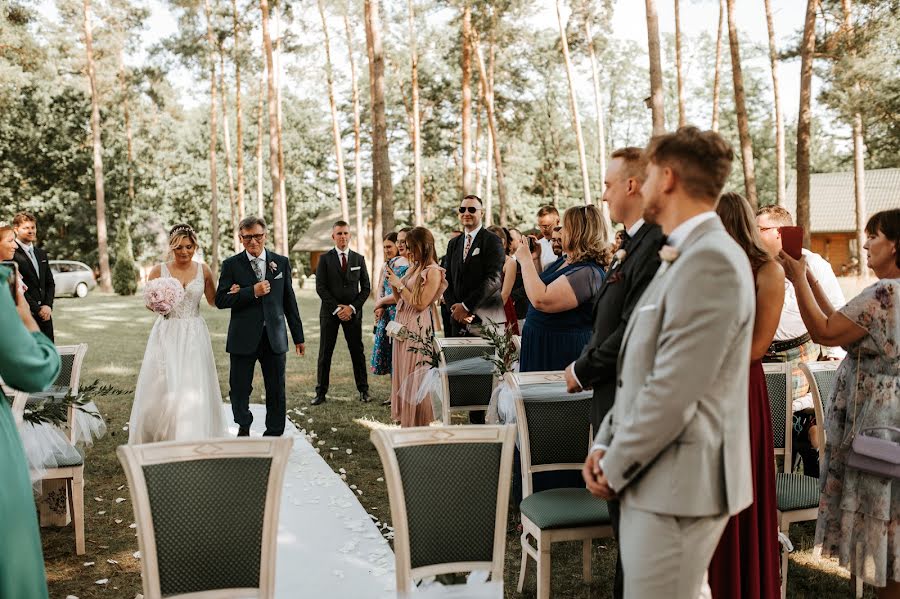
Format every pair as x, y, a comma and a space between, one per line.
870, 454
395, 330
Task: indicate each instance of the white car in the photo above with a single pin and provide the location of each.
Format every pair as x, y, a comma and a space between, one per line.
72, 278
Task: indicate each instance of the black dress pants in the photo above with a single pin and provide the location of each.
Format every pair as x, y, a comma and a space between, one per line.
46, 326
241, 381
328, 326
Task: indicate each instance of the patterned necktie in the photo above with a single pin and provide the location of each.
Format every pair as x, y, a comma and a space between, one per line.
257, 268
467, 247
343, 262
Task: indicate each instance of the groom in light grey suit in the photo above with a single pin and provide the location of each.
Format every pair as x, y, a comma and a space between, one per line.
675, 447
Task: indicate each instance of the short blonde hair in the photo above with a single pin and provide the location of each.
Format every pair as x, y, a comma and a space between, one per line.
179, 232
586, 234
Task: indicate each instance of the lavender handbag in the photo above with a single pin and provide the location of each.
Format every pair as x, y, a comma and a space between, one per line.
871, 454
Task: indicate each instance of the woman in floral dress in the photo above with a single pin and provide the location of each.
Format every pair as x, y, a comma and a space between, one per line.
384, 311
859, 512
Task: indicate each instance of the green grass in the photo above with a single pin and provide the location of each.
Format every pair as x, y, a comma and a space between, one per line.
116, 330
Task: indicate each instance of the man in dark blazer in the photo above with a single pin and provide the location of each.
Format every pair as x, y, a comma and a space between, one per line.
474, 267
446, 319
342, 283
631, 271
256, 286
34, 268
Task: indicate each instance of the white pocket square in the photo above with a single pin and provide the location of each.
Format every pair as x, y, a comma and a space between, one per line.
280, 276
476, 251
354, 268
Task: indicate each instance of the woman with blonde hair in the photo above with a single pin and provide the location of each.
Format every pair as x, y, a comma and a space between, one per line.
177, 397
416, 293
560, 318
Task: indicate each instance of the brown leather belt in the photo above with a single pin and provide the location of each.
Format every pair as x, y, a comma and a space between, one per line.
780, 346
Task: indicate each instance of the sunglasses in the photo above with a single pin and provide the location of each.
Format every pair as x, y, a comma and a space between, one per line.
256, 237
469, 209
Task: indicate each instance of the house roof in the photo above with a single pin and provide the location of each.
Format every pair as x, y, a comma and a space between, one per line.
317, 237
831, 198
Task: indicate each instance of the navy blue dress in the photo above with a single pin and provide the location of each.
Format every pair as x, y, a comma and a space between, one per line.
552, 341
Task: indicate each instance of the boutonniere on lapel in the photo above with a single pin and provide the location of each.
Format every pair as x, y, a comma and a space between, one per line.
668, 254
475, 252
618, 258
273, 267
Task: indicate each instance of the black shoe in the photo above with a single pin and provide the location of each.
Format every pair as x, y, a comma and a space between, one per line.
364, 397
320, 399
386, 402
243, 431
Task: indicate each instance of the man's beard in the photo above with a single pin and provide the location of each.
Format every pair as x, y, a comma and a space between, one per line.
651, 211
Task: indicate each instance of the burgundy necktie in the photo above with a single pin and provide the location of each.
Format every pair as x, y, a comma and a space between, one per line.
343, 262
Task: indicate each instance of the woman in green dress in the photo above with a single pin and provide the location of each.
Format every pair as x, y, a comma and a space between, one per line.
28, 361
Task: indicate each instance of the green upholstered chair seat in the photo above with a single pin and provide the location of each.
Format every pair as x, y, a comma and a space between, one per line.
564, 508
796, 492
66, 461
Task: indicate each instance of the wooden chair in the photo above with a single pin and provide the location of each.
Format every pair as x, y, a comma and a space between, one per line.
195, 541
822, 377
449, 494
464, 392
797, 495
20, 398
555, 434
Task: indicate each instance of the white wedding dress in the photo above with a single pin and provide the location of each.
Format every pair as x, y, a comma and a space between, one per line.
177, 397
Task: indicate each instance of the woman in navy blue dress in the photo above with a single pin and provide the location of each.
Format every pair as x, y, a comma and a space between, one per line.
560, 321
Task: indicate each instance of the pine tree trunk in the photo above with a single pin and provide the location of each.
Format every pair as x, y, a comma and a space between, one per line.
129, 137
213, 130
274, 172
282, 173
494, 148
779, 117
416, 128
804, 120
361, 231
468, 174
102, 241
598, 103
260, 195
859, 149
238, 113
573, 103
382, 186
477, 152
492, 124
741, 109
335, 126
717, 81
232, 202
680, 74
657, 103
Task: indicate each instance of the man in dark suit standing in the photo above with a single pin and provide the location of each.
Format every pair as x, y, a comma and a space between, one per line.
256, 286
342, 283
446, 319
474, 267
34, 268
632, 269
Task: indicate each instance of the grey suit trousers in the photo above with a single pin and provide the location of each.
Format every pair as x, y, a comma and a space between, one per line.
666, 556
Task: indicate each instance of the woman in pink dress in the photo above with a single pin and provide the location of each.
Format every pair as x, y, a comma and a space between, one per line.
416, 293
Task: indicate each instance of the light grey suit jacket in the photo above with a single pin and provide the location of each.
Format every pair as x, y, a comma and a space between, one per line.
678, 435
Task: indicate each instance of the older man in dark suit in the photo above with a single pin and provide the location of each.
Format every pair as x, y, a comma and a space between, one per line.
631, 271
34, 268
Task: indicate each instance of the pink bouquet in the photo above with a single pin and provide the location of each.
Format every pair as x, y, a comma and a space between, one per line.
163, 294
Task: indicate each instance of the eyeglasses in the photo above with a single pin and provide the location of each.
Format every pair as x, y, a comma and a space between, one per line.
255, 237
469, 209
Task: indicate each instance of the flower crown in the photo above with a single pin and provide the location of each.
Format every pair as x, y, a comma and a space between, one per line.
182, 229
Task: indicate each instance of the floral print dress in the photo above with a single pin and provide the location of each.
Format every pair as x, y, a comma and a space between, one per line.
859, 513
381, 348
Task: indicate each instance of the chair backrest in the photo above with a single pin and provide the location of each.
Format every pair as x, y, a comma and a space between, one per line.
449, 494
554, 426
779, 386
71, 360
465, 392
192, 539
822, 377
20, 398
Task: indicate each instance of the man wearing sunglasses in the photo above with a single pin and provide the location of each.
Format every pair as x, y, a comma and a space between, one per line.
474, 265
256, 286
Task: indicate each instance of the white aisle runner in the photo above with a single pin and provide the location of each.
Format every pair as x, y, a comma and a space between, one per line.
328, 546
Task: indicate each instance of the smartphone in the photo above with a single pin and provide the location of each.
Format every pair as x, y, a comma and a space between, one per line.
792, 241
13, 280
531, 244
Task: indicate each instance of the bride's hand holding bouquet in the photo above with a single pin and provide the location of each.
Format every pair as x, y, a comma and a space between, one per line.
161, 295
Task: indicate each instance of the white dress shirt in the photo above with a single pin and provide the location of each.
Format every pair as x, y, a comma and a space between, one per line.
346, 255
547, 255
261, 260
471, 235
791, 326
633, 229
29, 251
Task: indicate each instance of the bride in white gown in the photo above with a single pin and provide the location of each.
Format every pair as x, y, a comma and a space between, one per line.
177, 396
